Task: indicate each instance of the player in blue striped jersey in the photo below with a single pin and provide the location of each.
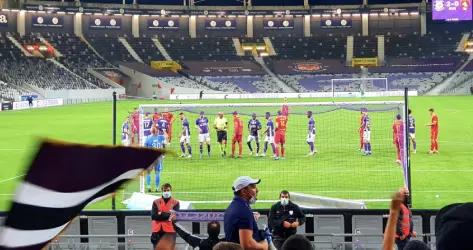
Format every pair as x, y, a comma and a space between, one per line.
185, 139
412, 130
269, 136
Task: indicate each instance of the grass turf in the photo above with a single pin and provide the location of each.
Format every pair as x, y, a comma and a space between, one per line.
338, 171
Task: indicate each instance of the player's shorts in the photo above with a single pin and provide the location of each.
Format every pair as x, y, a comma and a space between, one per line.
126, 142
237, 138
161, 139
185, 139
412, 136
280, 138
221, 136
366, 136
253, 138
269, 138
204, 138
310, 137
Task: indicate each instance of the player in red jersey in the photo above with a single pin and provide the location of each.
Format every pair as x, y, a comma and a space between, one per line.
168, 116
397, 137
135, 126
280, 138
434, 132
237, 134
285, 108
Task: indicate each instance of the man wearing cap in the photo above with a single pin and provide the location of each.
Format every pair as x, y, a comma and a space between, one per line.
220, 124
239, 222
284, 218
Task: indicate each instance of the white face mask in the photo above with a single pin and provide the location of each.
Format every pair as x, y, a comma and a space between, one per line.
167, 194
284, 201
252, 200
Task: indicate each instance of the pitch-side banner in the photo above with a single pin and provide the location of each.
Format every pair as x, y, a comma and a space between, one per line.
335, 23
220, 24
105, 23
278, 24
47, 21
163, 23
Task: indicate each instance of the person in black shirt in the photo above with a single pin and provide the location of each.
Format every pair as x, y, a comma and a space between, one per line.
213, 229
284, 218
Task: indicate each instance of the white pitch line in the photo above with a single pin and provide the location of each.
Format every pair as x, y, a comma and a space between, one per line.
12, 178
12, 149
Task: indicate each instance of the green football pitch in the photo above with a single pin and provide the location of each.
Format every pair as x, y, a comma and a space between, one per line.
338, 170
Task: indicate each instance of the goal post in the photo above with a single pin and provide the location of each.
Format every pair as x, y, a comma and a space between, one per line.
338, 170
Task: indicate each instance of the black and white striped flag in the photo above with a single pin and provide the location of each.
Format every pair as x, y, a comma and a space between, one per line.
62, 179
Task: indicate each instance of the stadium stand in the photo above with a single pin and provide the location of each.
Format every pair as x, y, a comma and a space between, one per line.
208, 49
146, 49
330, 47
77, 56
365, 46
10, 92
110, 48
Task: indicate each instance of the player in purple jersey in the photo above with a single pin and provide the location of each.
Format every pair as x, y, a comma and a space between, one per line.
412, 130
269, 136
163, 127
365, 126
253, 128
202, 124
311, 129
185, 139
147, 125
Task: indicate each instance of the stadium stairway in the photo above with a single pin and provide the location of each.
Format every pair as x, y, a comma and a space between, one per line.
238, 48
70, 71
130, 49
83, 39
56, 51
286, 88
450, 82
269, 46
161, 49
18, 45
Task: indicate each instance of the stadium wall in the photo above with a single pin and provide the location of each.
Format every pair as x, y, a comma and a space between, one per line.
84, 95
317, 27
390, 24
8, 21
65, 23
261, 27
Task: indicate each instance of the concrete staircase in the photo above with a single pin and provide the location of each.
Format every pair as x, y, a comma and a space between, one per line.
161, 49
280, 82
452, 81
239, 50
130, 49
269, 46
68, 70
18, 45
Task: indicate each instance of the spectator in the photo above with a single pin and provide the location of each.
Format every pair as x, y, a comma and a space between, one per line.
213, 230
416, 245
239, 223
454, 227
404, 226
227, 246
201, 94
30, 100
284, 218
297, 242
390, 230
163, 214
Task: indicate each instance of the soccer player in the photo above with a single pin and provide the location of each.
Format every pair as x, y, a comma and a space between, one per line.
185, 139
280, 137
147, 125
285, 108
311, 130
269, 136
126, 132
154, 141
237, 134
412, 130
365, 126
168, 116
220, 124
202, 124
135, 126
163, 128
253, 127
156, 115
434, 132
361, 130
397, 137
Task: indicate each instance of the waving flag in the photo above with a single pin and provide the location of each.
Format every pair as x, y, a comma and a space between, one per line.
62, 179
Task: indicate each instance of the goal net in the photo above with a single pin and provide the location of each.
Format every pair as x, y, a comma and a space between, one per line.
338, 169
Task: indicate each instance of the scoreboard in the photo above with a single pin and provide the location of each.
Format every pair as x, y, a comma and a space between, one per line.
452, 10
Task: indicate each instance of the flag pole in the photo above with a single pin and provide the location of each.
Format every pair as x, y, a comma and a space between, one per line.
407, 144
114, 132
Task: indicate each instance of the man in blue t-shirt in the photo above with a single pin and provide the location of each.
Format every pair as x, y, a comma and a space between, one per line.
239, 222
